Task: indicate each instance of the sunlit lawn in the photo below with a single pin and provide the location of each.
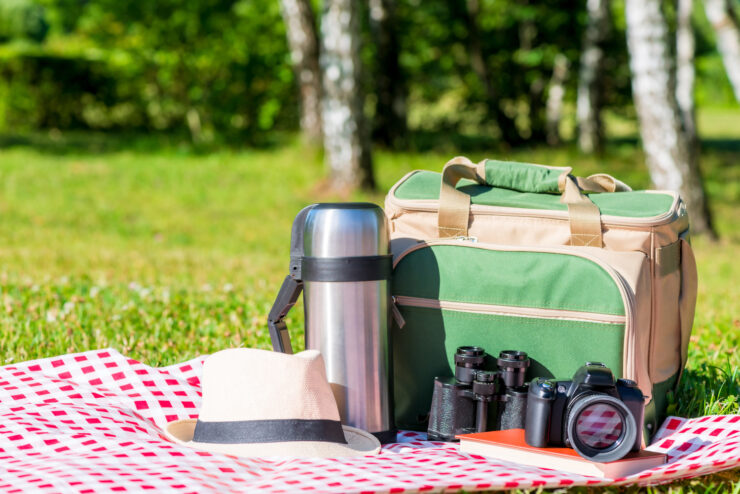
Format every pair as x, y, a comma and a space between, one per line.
167, 254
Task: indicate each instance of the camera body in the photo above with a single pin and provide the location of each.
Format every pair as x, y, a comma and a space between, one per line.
460, 404
598, 416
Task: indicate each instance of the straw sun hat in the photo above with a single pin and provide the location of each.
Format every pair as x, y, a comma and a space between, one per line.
261, 403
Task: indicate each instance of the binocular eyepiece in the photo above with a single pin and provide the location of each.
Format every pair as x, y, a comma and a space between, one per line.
468, 359
460, 404
513, 366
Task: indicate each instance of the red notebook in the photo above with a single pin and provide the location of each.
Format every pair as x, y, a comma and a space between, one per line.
509, 445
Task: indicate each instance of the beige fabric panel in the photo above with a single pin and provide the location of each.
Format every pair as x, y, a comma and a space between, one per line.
635, 269
516, 230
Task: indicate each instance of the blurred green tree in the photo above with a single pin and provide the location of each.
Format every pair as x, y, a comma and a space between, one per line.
439, 71
208, 67
590, 78
22, 19
389, 126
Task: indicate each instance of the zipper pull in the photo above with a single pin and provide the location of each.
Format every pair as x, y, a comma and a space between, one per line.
397, 313
463, 238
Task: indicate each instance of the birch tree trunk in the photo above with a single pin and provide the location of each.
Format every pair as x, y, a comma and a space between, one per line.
685, 73
346, 143
725, 23
303, 40
589, 100
671, 164
555, 95
390, 114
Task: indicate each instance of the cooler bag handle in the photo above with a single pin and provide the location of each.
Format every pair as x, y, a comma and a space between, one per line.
585, 217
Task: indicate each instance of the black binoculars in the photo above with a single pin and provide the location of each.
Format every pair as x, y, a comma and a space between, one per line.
460, 404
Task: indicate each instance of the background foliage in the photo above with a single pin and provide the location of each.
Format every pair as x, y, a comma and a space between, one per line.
204, 66
219, 70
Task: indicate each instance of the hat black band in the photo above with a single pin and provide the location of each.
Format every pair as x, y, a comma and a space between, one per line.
268, 431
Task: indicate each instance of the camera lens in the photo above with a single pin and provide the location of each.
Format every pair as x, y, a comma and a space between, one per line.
600, 427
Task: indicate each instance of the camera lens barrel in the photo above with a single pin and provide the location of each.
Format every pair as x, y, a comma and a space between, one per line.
468, 359
600, 427
513, 365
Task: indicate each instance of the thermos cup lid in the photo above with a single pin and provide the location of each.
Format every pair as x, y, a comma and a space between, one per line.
345, 230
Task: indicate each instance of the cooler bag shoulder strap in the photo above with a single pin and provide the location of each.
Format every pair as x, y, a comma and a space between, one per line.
585, 218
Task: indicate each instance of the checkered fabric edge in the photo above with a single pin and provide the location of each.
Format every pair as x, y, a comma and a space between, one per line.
92, 422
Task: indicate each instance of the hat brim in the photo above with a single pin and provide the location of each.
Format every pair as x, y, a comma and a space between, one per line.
359, 443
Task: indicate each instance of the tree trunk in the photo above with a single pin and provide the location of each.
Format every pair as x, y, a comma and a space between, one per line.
555, 95
685, 73
670, 161
536, 94
300, 24
346, 142
390, 114
506, 125
589, 100
725, 23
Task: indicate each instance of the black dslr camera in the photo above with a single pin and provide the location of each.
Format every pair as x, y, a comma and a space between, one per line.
600, 418
460, 403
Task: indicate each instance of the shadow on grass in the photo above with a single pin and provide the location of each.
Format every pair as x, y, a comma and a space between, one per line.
707, 144
94, 142
447, 141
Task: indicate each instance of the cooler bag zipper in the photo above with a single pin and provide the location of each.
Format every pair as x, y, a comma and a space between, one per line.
630, 346
506, 310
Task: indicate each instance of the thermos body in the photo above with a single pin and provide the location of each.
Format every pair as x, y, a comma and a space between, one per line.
346, 270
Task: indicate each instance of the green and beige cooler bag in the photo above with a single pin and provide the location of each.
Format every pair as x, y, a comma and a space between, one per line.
515, 256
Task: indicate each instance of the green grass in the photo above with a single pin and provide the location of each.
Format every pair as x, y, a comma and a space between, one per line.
165, 254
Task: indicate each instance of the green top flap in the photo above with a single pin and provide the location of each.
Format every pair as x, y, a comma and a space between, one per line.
636, 204
524, 177
464, 273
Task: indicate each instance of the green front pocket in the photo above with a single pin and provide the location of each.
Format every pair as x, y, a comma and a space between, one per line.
562, 309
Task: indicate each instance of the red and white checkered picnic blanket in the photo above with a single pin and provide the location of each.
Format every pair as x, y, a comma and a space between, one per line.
93, 421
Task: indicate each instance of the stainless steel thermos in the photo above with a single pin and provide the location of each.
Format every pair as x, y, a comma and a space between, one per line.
339, 257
